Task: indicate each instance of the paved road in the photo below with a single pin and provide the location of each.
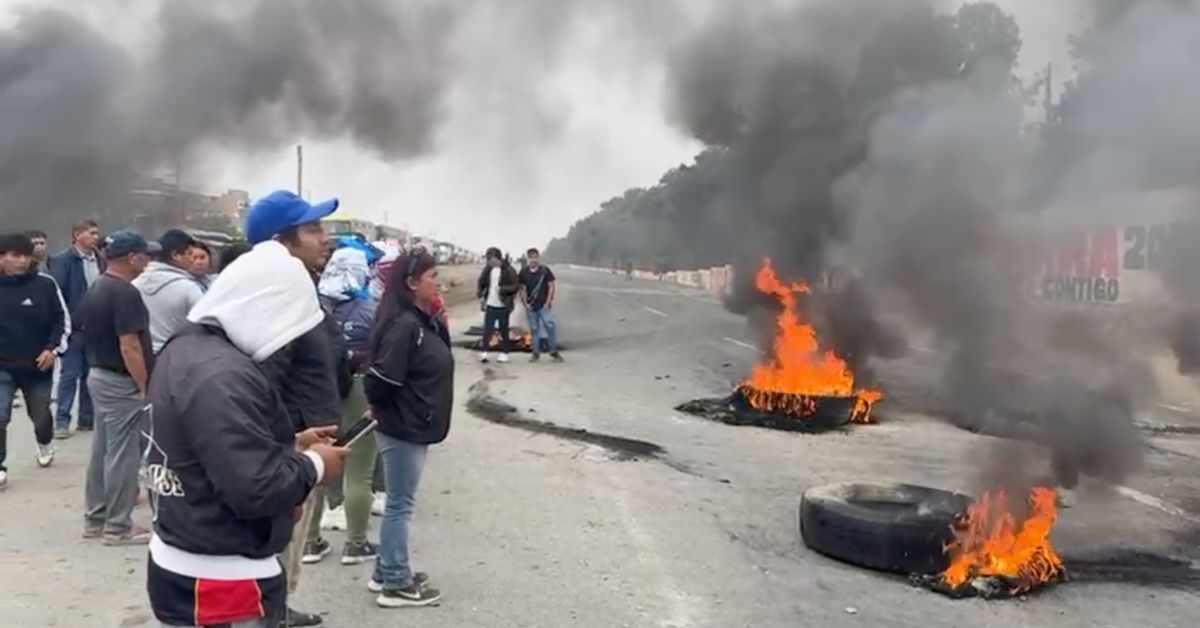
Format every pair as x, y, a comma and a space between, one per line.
523, 530
729, 523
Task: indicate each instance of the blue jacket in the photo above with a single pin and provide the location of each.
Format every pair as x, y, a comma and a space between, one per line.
67, 269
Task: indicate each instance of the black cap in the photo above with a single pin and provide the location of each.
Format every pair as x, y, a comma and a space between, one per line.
122, 243
16, 243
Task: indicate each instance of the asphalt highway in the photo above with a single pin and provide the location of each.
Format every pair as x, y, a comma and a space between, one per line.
540, 528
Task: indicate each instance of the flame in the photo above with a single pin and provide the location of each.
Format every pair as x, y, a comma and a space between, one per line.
517, 339
798, 371
990, 543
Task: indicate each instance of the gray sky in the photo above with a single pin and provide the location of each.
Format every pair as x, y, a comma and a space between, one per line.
513, 168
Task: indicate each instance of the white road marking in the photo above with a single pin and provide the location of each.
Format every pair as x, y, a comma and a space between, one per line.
1154, 502
654, 311
922, 349
744, 345
1175, 408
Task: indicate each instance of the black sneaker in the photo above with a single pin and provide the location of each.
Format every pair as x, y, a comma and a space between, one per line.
358, 553
298, 619
408, 597
315, 551
535, 357
557, 356
375, 584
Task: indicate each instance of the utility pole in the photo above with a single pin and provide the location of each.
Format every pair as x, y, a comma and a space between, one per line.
299, 169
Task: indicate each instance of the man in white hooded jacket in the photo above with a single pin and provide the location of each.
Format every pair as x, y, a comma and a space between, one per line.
226, 468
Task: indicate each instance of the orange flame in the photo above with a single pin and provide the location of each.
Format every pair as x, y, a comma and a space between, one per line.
516, 339
990, 543
798, 370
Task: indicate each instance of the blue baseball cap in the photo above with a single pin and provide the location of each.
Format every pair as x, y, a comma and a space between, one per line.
281, 210
122, 243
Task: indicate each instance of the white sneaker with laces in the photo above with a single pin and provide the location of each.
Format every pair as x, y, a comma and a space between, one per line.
483, 357
504, 358
333, 519
45, 454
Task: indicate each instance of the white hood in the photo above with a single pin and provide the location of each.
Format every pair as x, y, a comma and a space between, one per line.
264, 300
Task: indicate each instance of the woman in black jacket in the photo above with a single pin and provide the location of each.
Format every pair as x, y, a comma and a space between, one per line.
410, 388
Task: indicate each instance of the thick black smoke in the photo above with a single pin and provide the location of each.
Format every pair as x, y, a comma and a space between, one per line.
887, 147
81, 112
791, 96
84, 110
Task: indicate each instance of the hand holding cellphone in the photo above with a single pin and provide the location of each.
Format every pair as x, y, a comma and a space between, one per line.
351, 435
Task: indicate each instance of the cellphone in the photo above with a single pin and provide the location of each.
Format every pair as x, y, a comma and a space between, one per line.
347, 438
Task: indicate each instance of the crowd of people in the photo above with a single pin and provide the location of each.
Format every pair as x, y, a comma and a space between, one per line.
218, 397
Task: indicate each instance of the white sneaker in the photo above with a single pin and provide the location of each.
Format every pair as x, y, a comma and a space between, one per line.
504, 358
334, 519
3, 480
45, 454
483, 357
378, 504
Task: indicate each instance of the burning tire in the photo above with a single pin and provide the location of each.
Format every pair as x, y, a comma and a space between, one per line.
891, 527
827, 413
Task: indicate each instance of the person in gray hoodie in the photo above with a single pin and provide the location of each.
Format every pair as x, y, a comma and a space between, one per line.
169, 288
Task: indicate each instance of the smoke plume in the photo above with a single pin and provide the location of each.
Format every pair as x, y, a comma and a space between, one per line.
82, 111
888, 146
86, 107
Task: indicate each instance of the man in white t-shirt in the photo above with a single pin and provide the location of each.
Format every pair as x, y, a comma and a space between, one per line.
496, 288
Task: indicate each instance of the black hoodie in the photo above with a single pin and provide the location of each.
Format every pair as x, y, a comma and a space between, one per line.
33, 319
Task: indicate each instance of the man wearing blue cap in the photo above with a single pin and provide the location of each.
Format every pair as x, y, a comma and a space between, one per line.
116, 339
311, 372
295, 223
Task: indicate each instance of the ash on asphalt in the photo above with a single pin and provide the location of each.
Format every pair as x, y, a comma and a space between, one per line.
1136, 568
988, 587
1129, 567
488, 407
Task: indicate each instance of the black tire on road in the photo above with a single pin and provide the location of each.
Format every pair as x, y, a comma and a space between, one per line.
891, 527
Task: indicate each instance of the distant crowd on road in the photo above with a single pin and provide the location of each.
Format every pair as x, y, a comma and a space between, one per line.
224, 397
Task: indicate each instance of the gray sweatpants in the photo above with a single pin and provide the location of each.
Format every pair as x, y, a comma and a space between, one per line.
112, 472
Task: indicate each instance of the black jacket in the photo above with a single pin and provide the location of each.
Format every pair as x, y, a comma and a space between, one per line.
32, 320
312, 374
221, 457
509, 284
410, 384
67, 269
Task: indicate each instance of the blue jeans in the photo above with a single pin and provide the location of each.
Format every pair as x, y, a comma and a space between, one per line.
74, 371
537, 319
402, 465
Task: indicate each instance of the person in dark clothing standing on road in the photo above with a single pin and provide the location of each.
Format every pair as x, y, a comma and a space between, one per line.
76, 269
312, 374
34, 326
116, 337
537, 293
496, 290
229, 473
410, 390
